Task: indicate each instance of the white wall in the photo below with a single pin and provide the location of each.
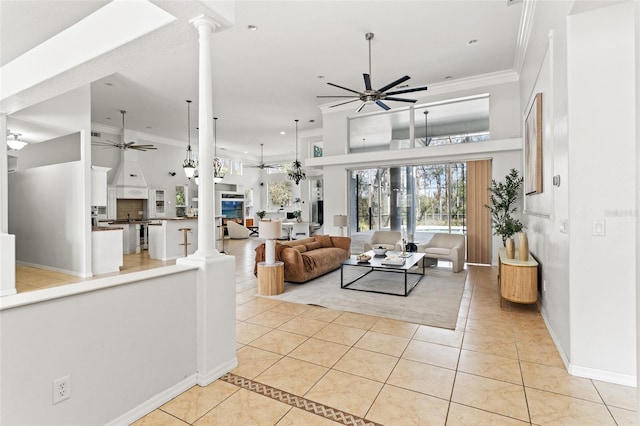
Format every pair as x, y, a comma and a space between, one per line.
545, 71
45, 215
588, 140
123, 346
602, 188
59, 150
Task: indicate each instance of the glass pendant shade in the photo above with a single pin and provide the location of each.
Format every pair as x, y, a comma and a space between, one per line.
297, 174
218, 174
189, 166
15, 143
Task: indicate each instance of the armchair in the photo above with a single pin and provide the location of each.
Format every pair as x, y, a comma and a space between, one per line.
391, 240
447, 247
237, 231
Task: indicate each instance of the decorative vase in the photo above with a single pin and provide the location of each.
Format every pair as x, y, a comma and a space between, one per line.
511, 248
523, 247
299, 220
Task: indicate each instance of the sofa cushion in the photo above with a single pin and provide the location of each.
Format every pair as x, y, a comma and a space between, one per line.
325, 240
313, 246
300, 247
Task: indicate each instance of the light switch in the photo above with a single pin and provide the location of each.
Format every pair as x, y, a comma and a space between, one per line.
598, 228
563, 226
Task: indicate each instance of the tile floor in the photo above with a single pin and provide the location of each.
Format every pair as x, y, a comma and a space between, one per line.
499, 367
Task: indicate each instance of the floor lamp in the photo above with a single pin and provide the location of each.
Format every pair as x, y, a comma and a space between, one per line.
269, 231
340, 221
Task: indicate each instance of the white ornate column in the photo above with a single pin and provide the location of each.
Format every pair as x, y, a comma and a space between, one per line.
7, 241
216, 294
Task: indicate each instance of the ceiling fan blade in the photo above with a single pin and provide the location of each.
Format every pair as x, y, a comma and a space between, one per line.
367, 81
145, 146
348, 102
415, 89
383, 105
343, 88
393, 84
390, 98
345, 96
361, 106
103, 143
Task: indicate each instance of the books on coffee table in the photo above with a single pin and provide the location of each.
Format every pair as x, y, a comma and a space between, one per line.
393, 261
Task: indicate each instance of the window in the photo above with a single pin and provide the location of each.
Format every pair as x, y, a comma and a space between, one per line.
280, 194
181, 200
461, 120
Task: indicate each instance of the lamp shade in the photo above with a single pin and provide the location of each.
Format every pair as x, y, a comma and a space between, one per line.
340, 220
269, 230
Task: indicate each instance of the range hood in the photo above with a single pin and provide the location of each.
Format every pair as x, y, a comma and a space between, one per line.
129, 180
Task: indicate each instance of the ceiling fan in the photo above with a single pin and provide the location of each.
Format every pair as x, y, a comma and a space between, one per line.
263, 166
370, 95
123, 145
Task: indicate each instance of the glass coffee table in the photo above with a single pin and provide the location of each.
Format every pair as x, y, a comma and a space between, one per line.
377, 263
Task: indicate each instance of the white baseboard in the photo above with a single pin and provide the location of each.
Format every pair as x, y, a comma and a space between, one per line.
205, 379
603, 376
151, 404
51, 268
586, 372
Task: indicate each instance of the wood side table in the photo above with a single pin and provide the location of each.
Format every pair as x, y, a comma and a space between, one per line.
270, 278
517, 279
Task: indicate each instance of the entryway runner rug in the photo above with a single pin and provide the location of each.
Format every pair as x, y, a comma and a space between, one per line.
435, 301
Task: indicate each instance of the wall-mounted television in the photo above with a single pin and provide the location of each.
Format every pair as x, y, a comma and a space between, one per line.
232, 209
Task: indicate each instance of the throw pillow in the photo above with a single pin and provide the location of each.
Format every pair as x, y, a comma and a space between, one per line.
325, 240
313, 246
300, 248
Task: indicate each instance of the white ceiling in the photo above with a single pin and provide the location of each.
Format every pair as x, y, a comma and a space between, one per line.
263, 80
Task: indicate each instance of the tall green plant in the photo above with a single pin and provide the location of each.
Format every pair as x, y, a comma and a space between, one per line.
504, 198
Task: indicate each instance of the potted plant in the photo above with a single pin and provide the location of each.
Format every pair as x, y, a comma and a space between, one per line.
503, 203
261, 214
298, 215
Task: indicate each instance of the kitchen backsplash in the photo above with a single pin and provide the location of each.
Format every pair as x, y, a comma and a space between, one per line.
134, 208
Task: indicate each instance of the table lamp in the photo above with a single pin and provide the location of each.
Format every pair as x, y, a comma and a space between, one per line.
340, 221
269, 231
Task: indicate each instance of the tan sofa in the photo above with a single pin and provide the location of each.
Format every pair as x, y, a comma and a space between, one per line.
308, 258
447, 247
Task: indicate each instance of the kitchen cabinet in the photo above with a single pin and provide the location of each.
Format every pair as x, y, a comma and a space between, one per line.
99, 185
112, 208
156, 203
166, 238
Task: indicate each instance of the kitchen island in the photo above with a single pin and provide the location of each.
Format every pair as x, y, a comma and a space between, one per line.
166, 240
106, 250
132, 241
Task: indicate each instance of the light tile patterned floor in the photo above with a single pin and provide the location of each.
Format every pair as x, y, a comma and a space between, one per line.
306, 365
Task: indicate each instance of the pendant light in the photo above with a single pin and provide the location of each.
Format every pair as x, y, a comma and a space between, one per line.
297, 174
218, 174
189, 165
15, 143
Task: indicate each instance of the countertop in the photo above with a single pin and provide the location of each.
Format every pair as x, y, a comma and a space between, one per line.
105, 228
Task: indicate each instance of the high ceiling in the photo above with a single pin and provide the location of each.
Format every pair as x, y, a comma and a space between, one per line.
266, 78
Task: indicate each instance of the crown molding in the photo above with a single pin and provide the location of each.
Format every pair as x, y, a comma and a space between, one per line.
524, 33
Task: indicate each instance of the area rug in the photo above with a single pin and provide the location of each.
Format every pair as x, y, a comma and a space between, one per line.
435, 301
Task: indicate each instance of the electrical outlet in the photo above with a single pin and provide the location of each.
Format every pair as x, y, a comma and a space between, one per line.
61, 389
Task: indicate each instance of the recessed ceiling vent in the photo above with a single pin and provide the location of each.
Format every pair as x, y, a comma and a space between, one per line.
96, 135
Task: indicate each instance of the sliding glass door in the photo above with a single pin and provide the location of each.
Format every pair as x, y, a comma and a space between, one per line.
411, 199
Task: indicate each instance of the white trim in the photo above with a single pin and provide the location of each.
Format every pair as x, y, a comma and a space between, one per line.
524, 33
154, 402
205, 379
586, 372
602, 375
53, 269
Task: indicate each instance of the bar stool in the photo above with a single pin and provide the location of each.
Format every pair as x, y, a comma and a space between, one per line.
185, 232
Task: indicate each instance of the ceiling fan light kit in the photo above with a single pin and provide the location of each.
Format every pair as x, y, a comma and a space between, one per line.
297, 174
124, 145
371, 95
189, 166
